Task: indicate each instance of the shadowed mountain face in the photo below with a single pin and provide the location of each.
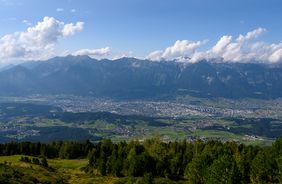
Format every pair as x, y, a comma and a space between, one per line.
131, 78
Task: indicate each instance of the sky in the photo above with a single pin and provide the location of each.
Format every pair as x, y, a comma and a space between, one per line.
182, 30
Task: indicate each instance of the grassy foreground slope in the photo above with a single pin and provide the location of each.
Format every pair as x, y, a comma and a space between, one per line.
150, 162
12, 170
69, 171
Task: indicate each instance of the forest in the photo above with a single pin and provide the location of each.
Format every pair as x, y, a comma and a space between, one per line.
179, 161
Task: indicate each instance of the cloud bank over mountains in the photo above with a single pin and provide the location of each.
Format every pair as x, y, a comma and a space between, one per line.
181, 48
93, 52
39, 41
244, 48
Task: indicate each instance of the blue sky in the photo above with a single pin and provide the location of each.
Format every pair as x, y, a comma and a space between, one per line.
138, 27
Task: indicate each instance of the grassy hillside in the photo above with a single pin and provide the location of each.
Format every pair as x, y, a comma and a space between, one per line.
151, 161
14, 171
65, 171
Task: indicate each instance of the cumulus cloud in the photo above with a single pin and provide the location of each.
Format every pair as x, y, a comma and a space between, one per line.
155, 55
243, 48
251, 35
71, 29
93, 52
37, 42
276, 55
181, 48
221, 44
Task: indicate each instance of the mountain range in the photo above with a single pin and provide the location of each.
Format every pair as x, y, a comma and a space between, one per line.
131, 78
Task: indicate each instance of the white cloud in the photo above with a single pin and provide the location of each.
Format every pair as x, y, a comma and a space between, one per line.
245, 48
59, 9
70, 29
221, 44
251, 35
155, 55
180, 48
93, 52
73, 10
37, 42
276, 55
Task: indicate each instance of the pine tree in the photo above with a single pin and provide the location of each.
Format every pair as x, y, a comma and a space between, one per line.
44, 162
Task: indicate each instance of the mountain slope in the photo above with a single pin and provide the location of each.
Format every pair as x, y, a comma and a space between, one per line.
135, 79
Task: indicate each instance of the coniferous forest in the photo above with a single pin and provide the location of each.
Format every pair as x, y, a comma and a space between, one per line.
187, 162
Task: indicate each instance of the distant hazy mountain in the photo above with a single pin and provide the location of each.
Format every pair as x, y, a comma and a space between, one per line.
135, 79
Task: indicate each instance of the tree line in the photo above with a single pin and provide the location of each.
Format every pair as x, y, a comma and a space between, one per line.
192, 162
42, 162
195, 162
56, 149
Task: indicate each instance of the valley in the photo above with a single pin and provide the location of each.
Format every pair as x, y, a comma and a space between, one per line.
63, 117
